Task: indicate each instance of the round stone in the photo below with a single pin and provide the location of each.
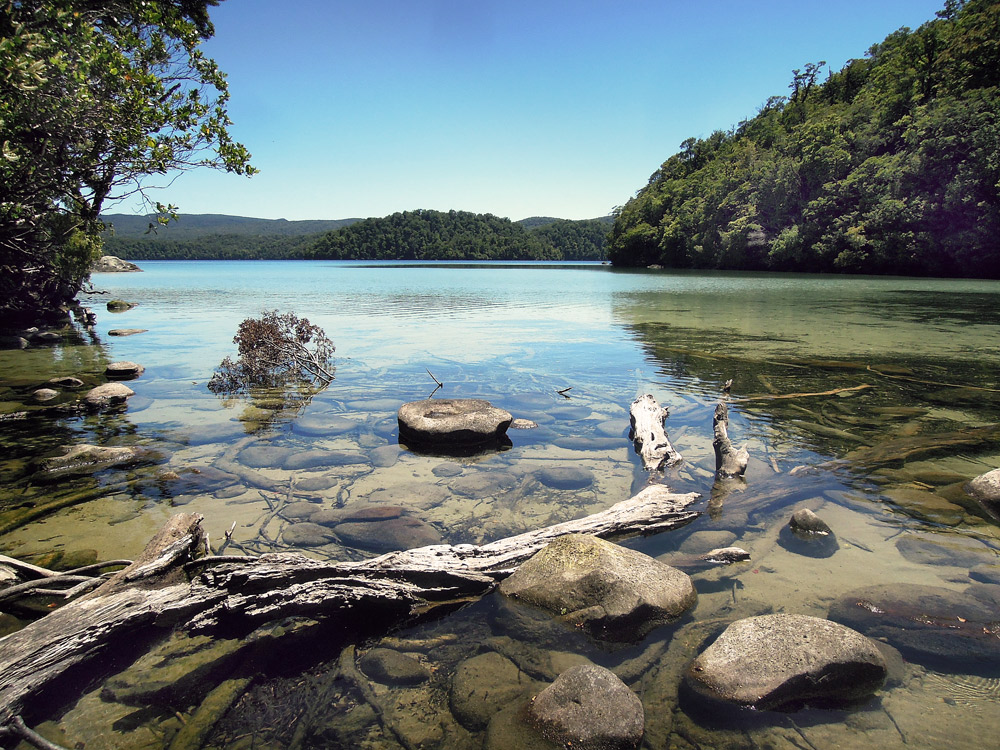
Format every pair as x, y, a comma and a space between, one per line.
452, 422
565, 477
123, 370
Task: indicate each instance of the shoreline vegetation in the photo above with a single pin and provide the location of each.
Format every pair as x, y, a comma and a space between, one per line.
889, 166
408, 235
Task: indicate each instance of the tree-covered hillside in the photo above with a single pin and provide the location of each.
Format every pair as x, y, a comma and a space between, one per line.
437, 235
890, 165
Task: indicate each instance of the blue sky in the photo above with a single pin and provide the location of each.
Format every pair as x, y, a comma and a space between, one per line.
540, 108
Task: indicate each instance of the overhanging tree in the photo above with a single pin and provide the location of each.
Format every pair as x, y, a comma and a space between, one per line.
99, 100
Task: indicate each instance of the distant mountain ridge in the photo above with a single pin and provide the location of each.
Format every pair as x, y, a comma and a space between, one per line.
429, 234
190, 226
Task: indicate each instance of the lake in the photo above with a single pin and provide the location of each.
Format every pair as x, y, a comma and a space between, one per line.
871, 401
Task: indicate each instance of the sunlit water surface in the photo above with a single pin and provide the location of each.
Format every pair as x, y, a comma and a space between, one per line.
869, 401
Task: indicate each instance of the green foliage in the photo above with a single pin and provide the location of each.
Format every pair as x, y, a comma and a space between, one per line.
96, 98
892, 165
575, 240
433, 235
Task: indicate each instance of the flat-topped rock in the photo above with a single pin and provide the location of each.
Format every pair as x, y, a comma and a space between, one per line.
124, 370
452, 422
126, 331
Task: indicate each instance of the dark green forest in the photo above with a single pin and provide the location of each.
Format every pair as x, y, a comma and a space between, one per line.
410, 235
890, 165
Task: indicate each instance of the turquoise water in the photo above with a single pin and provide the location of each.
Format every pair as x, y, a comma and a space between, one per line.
868, 400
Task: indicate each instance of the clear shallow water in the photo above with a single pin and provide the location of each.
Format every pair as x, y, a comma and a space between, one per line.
914, 363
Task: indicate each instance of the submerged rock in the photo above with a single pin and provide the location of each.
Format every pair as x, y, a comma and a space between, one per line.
119, 305
86, 459
483, 685
126, 331
589, 708
390, 667
452, 422
785, 661
402, 532
931, 625
565, 477
306, 534
44, 394
614, 593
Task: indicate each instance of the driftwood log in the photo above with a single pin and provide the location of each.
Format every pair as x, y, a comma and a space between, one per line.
172, 585
649, 436
729, 462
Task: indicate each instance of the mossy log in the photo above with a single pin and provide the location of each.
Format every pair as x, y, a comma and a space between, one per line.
172, 585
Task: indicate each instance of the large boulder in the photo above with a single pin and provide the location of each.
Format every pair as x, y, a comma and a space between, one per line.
785, 661
452, 422
589, 708
614, 593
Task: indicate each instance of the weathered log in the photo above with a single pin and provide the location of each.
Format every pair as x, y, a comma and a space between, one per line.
648, 435
155, 592
729, 462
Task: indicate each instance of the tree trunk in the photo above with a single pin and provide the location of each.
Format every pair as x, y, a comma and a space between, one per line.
172, 586
648, 435
729, 462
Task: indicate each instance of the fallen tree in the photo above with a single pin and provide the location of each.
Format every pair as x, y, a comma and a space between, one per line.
174, 585
649, 436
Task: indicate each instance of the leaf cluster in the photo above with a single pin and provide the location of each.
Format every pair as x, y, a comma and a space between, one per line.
97, 99
891, 165
274, 351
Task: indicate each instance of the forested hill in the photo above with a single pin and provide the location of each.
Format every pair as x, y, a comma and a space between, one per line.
416, 234
890, 165
461, 235
211, 237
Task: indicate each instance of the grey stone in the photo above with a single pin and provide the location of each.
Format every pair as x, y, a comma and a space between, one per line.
87, 459
985, 489
701, 542
948, 549
418, 495
447, 469
483, 685
589, 444
315, 459
399, 533
614, 593
119, 305
44, 394
986, 573
113, 264
124, 370
47, 337
108, 395
385, 456
589, 708
565, 477
523, 424
306, 534
316, 484
390, 667
452, 422
805, 521
264, 456
321, 425
785, 661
